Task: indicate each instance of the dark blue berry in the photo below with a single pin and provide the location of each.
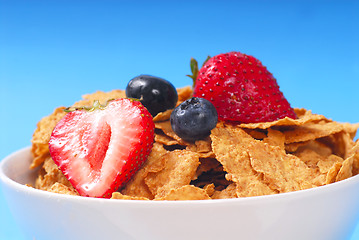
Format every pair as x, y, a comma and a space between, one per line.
194, 119
156, 94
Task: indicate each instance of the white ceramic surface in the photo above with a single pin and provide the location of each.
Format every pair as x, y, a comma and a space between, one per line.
329, 212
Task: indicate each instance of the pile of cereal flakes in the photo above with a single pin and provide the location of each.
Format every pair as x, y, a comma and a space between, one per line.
234, 161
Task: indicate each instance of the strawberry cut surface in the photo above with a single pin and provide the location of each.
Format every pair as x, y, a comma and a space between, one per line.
98, 150
241, 89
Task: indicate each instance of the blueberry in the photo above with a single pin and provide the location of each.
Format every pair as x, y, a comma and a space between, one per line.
194, 119
156, 94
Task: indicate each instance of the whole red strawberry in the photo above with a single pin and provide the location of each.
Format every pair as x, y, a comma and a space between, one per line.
99, 149
241, 89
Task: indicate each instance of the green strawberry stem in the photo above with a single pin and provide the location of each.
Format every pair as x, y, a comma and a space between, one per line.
96, 106
194, 69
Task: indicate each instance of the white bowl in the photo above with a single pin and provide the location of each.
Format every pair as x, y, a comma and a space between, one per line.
328, 212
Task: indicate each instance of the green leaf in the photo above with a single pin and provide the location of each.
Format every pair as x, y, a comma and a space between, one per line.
195, 69
208, 57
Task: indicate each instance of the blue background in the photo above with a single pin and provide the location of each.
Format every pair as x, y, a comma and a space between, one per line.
52, 52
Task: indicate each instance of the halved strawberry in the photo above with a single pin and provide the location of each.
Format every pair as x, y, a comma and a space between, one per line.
99, 149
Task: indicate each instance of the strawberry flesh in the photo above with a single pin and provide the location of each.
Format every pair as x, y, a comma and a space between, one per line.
99, 150
241, 89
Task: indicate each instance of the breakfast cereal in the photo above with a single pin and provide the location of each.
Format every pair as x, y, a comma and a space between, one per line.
236, 160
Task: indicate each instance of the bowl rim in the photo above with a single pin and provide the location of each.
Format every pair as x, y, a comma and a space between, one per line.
12, 184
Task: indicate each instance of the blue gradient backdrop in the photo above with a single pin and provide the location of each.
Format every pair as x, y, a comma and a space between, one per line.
52, 52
